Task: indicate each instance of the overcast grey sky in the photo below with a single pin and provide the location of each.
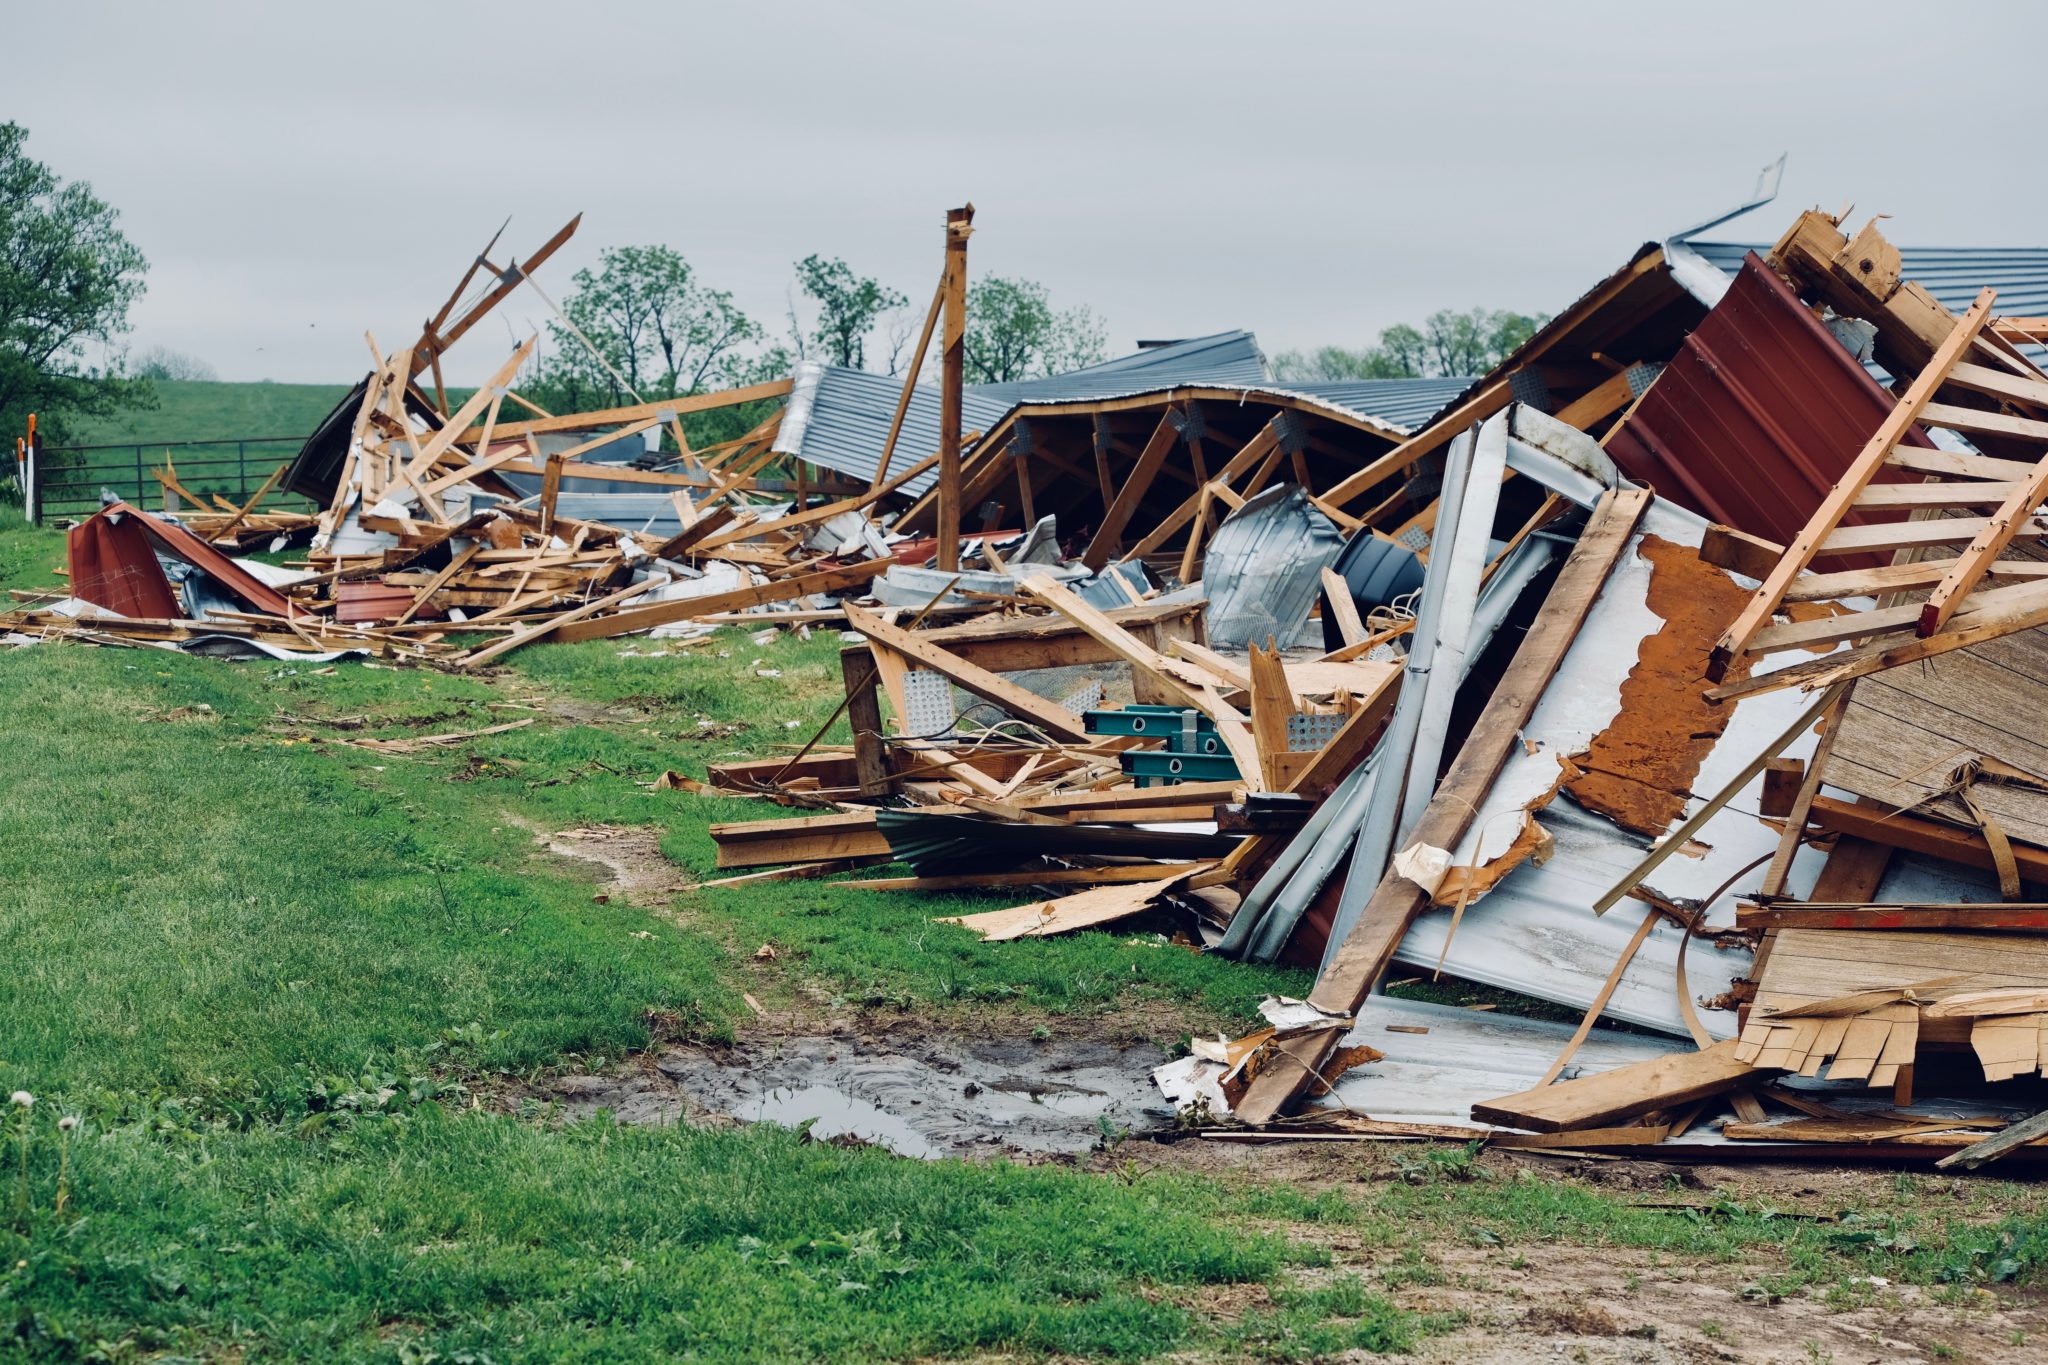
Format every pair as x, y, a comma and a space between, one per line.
298, 173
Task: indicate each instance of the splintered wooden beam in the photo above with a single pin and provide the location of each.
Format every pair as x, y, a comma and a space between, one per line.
611, 417
469, 412
1998, 1144
554, 624
2018, 609
242, 512
1756, 614
1478, 408
2031, 916
456, 565
1272, 702
1624, 1093
1395, 903
924, 341
434, 341
1099, 905
991, 687
816, 838
952, 362
717, 519
1916, 834
1989, 542
1258, 448
690, 608
1343, 608
1110, 533
817, 514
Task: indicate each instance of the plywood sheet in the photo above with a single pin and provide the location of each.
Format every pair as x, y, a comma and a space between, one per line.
1906, 730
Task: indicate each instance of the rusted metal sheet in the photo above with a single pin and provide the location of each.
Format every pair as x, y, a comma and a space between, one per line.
356, 603
1757, 416
113, 564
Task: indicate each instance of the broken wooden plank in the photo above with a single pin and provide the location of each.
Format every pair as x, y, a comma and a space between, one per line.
2026, 1131
1624, 1093
2031, 916
690, 608
1230, 724
1088, 909
1916, 834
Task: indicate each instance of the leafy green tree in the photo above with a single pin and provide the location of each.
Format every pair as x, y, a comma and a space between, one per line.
1472, 343
849, 306
1449, 344
67, 280
1014, 332
643, 323
655, 330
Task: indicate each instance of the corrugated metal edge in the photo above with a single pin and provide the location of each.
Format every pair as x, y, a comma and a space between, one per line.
796, 409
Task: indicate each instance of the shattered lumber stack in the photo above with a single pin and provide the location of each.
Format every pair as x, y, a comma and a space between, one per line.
440, 523
1817, 865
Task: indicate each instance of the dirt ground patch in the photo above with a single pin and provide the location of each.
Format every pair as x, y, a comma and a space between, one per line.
1547, 1300
1606, 1304
635, 868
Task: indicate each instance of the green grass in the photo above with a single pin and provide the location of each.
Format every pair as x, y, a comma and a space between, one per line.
196, 410
514, 1241
290, 984
30, 556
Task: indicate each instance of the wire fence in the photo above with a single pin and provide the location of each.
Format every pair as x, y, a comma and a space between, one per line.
73, 478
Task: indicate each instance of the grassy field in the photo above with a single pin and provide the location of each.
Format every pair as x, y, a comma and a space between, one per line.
298, 994
193, 410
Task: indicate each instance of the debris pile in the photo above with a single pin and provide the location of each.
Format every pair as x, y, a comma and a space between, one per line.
1678, 672
1674, 674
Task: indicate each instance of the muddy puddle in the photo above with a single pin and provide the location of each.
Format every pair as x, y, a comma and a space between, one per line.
934, 1097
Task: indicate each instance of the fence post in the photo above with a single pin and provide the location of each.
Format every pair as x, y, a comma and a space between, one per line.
32, 495
242, 470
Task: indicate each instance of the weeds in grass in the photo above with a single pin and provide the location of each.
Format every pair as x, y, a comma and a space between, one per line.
1326, 1321
1442, 1163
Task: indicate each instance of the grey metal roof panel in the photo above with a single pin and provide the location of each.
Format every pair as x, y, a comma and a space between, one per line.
1406, 403
839, 418
1952, 274
1226, 359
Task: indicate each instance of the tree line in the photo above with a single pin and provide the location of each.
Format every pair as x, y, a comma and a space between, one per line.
1448, 345
645, 323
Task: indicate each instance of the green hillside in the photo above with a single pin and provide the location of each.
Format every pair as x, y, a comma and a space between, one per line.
193, 411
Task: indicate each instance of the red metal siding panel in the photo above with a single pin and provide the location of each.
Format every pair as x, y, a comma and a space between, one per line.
113, 564
364, 602
1757, 416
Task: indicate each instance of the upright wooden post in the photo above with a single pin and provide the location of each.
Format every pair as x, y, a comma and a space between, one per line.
32, 467
959, 224
864, 715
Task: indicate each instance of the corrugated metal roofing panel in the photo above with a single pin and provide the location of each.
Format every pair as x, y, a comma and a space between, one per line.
1230, 359
839, 418
1757, 415
1951, 274
1406, 403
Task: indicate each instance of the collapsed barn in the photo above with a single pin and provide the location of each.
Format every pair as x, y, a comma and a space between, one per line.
1676, 673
